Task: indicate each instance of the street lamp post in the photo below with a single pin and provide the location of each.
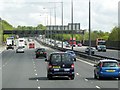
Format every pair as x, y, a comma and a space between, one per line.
62, 22
89, 27
72, 21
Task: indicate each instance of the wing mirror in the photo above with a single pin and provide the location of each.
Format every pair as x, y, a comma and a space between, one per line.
95, 65
46, 60
74, 59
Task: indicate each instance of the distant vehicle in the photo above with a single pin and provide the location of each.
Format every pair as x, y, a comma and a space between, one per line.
101, 48
21, 42
68, 45
72, 42
72, 53
20, 49
10, 43
87, 50
100, 44
107, 69
31, 45
41, 52
60, 64
79, 45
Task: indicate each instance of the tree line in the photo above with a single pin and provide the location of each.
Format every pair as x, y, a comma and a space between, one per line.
112, 36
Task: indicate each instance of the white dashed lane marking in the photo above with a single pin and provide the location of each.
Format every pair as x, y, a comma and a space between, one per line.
98, 87
86, 79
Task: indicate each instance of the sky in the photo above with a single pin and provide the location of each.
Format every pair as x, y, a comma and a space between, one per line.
104, 13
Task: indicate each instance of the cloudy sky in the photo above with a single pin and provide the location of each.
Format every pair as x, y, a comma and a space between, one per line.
33, 12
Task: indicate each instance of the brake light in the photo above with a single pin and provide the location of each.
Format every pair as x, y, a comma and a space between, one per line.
50, 66
38, 53
44, 52
101, 65
72, 66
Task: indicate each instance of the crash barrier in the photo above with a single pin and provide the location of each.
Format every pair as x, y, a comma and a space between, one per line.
94, 58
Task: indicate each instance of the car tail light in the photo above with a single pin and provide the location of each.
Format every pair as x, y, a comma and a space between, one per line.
101, 65
72, 66
38, 53
50, 66
44, 52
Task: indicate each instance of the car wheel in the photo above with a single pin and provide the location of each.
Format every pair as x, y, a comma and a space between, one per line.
118, 78
36, 56
99, 77
72, 77
95, 77
49, 76
74, 59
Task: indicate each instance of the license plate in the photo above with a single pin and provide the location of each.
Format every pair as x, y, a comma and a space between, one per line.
110, 70
56, 66
56, 69
41, 53
66, 69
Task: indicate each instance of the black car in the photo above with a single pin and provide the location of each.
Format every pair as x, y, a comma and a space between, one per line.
60, 64
40, 52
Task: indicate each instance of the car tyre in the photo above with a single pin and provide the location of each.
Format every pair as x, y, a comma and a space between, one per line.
95, 77
99, 77
36, 56
49, 76
72, 77
118, 78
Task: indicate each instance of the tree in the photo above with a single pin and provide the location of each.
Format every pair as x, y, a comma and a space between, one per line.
114, 35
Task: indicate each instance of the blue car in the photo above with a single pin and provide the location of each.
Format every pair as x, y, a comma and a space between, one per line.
107, 69
72, 53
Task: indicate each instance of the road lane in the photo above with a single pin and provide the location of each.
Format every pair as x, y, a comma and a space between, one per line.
108, 53
25, 71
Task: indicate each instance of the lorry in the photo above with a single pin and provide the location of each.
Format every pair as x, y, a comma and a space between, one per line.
10, 43
20, 42
101, 44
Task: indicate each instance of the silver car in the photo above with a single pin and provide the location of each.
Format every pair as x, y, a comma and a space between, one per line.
20, 50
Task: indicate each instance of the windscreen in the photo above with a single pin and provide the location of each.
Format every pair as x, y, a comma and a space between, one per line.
61, 58
110, 64
40, 50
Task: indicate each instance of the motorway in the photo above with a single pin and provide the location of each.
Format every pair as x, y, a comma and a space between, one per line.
109, 52
23, 70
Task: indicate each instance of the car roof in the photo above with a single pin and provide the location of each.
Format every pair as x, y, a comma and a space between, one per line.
108, 60
69, 51
58, 52
39, 48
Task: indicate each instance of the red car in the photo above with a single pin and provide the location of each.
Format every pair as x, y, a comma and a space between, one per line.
79, 45
31, 45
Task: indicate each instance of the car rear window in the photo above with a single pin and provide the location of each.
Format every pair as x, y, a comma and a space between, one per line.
110, 64
61, 58
41, 50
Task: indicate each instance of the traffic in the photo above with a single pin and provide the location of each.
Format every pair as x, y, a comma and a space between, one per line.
54, 65
62, 63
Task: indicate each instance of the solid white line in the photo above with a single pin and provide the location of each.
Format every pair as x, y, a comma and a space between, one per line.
85, 62
98, 87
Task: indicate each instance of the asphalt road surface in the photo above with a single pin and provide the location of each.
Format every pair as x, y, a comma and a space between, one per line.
109, 52
23, 70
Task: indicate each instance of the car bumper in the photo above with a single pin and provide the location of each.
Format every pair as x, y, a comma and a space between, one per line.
40, 55
106, 74
61, 73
